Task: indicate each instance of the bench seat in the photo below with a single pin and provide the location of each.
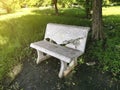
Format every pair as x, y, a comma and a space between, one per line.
61, 52
64, 42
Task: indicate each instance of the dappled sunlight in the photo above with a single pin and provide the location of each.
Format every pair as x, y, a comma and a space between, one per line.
43, 8
19, 29
111, 11
19, 13
15, 71
3, 40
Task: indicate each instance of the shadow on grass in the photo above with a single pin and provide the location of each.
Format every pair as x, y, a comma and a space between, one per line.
29, 28
112, 19
71, 12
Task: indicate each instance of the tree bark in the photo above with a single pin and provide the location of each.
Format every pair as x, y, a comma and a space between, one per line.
97, 27
56, 8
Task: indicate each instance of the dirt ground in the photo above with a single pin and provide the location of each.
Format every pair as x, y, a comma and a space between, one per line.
45, 77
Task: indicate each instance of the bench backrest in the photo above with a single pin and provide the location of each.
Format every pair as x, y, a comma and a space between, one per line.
73, 36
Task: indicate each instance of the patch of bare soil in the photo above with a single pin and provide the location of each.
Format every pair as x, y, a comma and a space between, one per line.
45, 77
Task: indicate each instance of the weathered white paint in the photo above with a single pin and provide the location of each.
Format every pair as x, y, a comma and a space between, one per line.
61, 52
60, 33
74, 38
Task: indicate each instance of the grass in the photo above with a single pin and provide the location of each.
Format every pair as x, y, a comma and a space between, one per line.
107, 11
109, 56
19, 29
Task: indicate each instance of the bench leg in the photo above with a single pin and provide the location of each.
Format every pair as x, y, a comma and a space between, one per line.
41, 56
70, 67
62, 68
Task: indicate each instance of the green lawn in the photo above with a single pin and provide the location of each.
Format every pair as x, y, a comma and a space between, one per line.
19, 29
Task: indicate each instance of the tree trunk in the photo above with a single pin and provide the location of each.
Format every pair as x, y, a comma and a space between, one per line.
97, 28
56, 8
88, 8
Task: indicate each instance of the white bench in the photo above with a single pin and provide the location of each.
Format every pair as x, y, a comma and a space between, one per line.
65, 42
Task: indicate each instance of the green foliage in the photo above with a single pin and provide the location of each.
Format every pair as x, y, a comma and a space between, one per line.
18, 30
9, 5
108, 57
107, 52
111, 2
66, 3
46, 2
